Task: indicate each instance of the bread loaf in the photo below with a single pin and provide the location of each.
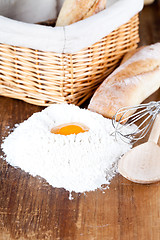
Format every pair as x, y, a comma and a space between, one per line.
75, 10
147, 2
132, 82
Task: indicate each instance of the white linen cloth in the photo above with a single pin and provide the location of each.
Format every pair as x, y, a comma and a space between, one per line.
72, 38
31, 11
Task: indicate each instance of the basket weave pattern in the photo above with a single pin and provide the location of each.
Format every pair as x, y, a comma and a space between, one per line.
43, 78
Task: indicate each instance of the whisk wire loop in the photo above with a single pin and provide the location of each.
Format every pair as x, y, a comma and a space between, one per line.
134, 122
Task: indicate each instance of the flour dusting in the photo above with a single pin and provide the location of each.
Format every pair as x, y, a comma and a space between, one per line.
80, 163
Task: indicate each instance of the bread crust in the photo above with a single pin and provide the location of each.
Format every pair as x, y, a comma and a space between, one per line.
75, 10
131, 83
130, 54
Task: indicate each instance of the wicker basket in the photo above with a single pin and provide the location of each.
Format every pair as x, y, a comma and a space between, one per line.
43, 78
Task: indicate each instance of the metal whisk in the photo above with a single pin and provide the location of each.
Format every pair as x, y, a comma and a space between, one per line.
141, 117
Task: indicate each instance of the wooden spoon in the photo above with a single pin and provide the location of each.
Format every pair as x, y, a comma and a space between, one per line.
142, 163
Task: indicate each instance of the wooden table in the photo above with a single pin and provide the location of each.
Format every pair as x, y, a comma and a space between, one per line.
31, 209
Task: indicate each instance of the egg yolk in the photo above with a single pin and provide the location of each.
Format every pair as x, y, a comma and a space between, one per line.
70, 128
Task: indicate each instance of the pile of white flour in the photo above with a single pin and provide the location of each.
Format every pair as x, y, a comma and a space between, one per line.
79, 163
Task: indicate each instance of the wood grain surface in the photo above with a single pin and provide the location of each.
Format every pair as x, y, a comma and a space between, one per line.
32, 209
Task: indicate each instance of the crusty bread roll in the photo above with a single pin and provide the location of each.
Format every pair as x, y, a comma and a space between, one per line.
76, 10
132, 82
147, 2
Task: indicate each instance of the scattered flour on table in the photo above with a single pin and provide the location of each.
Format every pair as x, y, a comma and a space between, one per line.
80, 163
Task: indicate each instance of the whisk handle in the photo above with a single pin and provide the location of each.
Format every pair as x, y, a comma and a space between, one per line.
155, 132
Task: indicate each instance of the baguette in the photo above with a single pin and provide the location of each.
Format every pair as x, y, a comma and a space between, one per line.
131, 83
75, 10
